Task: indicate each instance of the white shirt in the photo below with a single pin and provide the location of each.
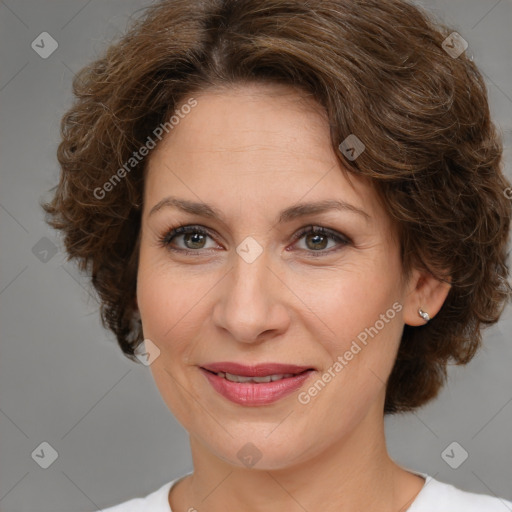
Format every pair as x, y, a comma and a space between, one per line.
435, 496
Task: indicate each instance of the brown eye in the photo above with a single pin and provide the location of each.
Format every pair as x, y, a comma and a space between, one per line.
316, 241
194, 238
317, 238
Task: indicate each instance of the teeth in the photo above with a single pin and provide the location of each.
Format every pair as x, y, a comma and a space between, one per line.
268, 378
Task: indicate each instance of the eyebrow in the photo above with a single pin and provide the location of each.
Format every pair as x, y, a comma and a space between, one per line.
286, 215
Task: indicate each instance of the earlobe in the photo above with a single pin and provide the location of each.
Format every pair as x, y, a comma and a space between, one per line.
426, 297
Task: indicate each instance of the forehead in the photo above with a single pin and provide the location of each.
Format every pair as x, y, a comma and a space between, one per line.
256, 141
257, 119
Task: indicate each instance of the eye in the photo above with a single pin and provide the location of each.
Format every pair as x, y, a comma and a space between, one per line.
194, 237
316, 239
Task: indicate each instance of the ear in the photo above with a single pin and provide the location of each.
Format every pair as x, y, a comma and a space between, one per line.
426, 292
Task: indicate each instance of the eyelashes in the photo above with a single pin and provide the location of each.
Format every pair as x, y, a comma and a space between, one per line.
318, 232
166, 240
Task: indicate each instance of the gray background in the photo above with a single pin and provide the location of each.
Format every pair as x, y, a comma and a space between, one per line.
64, 381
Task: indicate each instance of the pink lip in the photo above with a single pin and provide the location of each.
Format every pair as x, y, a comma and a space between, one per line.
256, 393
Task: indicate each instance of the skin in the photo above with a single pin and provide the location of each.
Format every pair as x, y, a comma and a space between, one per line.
251, 151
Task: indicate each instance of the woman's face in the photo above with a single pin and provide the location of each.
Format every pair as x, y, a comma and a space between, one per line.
249, 292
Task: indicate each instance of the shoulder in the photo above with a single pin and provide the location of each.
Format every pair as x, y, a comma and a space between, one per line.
157, 501
438, 496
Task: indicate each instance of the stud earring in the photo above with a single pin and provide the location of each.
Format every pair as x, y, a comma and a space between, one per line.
424, 315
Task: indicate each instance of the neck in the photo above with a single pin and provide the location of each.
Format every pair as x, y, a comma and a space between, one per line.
355, 473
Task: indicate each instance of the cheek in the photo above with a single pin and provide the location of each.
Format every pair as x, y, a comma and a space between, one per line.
357, 315
358, 324
347, 301
166, 300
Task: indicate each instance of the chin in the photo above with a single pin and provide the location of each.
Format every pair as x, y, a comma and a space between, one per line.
261, 452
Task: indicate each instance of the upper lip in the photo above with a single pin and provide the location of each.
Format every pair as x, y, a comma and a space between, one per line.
258, 370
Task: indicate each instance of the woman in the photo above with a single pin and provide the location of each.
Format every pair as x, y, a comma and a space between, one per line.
294, 213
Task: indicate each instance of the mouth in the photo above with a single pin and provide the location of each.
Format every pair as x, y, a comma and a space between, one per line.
255, 385
259, 380
262, 372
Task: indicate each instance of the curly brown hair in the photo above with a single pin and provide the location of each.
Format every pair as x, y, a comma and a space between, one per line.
379, 69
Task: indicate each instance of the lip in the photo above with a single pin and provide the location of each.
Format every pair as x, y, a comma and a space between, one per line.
258, 370
252, 394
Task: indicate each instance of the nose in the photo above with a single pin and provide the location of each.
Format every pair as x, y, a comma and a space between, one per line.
251, 304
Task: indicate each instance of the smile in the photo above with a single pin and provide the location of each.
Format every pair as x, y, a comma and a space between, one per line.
252, 391
241, 378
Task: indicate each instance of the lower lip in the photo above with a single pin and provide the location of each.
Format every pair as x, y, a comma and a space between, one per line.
255, 393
